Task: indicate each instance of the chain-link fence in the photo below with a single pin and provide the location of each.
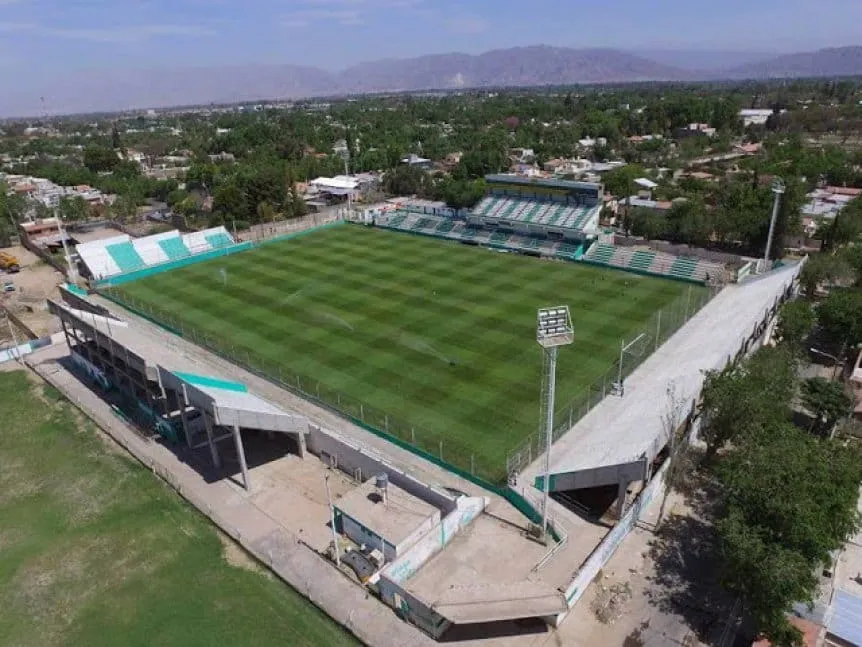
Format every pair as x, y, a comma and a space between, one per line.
438, 446
632, 352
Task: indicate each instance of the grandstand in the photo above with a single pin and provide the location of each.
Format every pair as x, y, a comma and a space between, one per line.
122, 254
557, 209
443, 227
651, 262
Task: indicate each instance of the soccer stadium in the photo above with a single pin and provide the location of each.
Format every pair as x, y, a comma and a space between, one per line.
402, 352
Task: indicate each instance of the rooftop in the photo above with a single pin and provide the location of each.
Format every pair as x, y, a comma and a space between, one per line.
394, 519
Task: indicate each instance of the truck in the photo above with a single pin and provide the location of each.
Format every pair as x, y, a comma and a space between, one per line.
9, 263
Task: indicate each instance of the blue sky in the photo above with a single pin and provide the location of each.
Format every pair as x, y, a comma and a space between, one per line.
55, 36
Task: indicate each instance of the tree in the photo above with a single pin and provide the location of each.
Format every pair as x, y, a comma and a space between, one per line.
678, 447
789, 501
406, 180
265, 212
827, 400
99, 158
795, 321
840, 316
820, 268
73, 209
746, 397
124, 208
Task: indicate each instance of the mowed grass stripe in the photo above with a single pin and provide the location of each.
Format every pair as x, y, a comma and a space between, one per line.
438, 336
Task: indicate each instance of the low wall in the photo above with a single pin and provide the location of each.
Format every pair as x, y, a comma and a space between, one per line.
354, 460
78, 302
28, 244
172, 265
393, 578
21, 350
605, 550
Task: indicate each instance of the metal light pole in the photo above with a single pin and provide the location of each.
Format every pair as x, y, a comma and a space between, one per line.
778, 189
553, 329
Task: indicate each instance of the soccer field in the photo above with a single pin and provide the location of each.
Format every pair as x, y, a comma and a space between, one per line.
435, 340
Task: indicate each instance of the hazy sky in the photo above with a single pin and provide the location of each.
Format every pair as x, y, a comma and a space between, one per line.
41, 36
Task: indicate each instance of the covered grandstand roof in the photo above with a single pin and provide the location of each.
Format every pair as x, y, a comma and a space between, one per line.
550, 183
230, 402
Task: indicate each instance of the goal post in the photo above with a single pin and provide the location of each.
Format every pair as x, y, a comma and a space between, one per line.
635, 349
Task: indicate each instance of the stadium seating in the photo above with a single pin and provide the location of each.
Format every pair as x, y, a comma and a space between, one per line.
551, 214
641, 260
125, 256
683, 267
652, 262
174, 248
219, 239
444, 227
121, 254
601, 253
498, 237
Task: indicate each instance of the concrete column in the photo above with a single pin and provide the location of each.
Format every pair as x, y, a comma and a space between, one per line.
621, 498
65, 332
240, 452
213, 448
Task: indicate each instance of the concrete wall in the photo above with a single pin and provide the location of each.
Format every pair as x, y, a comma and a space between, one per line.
393, 579
349, 457
605, 550
362, 535
368, 536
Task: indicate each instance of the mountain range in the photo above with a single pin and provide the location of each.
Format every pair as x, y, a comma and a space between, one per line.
110, 90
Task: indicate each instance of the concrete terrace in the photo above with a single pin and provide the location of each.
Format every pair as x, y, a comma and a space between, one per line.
630, 430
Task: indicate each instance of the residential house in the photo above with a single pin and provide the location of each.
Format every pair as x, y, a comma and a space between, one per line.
755, 116
696, 130
417, 162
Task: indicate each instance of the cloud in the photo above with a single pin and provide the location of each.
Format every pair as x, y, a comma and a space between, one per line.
129, 34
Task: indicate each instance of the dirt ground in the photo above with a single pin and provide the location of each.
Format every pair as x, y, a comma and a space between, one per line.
36, 282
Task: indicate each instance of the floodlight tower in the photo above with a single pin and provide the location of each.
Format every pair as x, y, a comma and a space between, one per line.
553, 329
778, 189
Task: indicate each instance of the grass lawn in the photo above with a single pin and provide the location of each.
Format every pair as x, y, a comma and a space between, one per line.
434, 338
95, 551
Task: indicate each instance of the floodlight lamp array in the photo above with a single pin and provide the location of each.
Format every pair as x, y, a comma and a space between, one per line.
554, 326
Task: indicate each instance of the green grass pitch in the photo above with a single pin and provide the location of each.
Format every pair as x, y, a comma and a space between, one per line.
96, 551
438, 336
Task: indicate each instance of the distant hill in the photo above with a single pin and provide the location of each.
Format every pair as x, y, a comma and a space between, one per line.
519, 66
836, 61
111, 90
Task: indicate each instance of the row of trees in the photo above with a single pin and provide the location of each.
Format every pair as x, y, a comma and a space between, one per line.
735, 212
788, 496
